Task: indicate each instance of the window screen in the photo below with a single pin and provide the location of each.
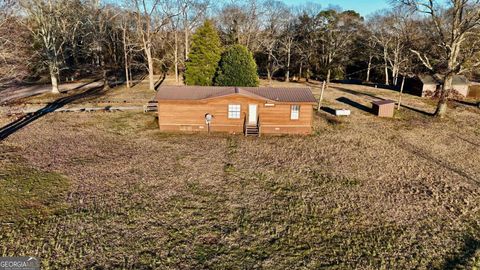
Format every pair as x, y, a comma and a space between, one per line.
295, 112
234, 111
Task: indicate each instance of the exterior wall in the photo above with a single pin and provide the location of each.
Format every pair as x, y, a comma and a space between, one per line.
276, 120
189, 116
474, 91
429, 90
461, 89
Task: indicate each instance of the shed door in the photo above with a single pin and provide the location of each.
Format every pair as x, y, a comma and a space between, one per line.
252, 113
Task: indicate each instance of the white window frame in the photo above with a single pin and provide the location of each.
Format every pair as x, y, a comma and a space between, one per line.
294, 112
234, 111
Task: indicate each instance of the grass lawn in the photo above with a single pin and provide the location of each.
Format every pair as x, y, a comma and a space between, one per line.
109, 191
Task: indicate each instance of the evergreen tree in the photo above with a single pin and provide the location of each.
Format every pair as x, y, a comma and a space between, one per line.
237, 68
205, 53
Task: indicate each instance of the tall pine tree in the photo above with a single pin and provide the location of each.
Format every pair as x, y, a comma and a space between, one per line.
237, 68
205, 53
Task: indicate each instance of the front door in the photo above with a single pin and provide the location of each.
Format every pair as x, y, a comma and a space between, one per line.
252, 114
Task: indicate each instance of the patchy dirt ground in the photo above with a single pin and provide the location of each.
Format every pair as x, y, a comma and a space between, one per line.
361, 193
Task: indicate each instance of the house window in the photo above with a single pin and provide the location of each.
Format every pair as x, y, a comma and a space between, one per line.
234, 111
295, 112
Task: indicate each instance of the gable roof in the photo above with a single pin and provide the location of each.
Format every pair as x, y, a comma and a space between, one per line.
429, 79
438, 79
274, 94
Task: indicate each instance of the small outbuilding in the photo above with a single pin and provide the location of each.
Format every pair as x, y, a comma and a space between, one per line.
428, 85
249, 110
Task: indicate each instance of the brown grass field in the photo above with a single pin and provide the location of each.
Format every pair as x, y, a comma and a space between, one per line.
107, 190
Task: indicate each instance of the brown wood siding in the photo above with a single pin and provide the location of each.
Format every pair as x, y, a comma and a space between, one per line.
276, 120
188, 116
474, 91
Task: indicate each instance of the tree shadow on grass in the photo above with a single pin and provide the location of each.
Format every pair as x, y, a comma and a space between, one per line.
465, 256
160, 81
417, 110
51, 107
357, 93
137, 78
436, 160
355, 104
466, 103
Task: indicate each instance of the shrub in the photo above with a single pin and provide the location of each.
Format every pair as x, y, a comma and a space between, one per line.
205, 53
237, 68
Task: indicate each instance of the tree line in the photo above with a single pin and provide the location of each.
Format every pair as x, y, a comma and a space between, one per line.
66, 39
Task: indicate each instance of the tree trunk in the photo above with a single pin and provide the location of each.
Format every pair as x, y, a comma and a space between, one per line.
300, 72
54, 79
329, 73
150, 68
105, 80
130, 74
269, 68
176, 57
186, 29
395, 76
369, 68
445, 92
386, 66
287, 74
125, 55
401, 92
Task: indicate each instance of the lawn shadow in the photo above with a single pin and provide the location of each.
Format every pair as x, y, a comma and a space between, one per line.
160, 81
57, 104
436, 160
136, 79
466, 254
355, 104
328, 110
356, 93
416, 110
466, 103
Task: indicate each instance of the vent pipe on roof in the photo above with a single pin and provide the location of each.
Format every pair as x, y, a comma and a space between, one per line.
236, 90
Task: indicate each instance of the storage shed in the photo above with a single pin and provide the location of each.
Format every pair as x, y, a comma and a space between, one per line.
249, 110
427, 85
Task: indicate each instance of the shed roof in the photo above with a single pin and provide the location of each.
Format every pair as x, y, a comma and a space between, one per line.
460, 80
438, 79
280, 94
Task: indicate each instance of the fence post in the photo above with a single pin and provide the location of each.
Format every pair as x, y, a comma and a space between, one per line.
321, 97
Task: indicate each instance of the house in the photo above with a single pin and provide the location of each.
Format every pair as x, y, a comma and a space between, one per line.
427, 85
248, 110
474, 90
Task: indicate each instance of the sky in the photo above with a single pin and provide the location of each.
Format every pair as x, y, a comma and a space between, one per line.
364, 7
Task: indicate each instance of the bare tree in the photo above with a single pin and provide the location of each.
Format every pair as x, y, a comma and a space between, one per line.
150, 21
46, 27
338, 31
451, 27
371, 47
14, 44
240, 24
287, 41
307, 37
383, 38
192, 12
273, 20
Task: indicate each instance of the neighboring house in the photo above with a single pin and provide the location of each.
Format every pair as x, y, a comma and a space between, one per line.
427, 85
474, 91
249, 110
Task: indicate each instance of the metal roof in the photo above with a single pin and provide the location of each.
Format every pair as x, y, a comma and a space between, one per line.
278, 94
438, 79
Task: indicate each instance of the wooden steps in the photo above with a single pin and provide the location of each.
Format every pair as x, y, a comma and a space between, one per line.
252, 130
152, 106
